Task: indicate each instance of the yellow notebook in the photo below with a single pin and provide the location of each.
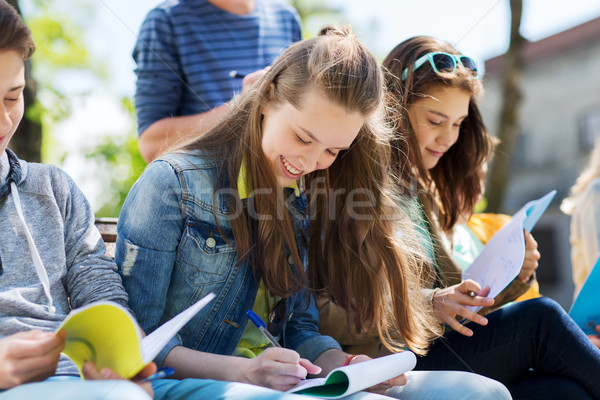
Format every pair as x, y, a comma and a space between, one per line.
107, 334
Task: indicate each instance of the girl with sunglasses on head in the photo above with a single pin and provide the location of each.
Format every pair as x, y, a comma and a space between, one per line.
533, 347
228, 213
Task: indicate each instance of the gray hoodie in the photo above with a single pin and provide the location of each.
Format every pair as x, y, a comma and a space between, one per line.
61, 226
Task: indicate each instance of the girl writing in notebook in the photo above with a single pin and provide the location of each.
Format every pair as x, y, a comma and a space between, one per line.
295, 175
532, 347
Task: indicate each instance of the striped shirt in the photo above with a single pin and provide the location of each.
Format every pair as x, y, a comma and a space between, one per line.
186, 49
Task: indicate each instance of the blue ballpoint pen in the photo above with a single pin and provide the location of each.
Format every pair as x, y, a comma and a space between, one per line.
161, 373
256, 320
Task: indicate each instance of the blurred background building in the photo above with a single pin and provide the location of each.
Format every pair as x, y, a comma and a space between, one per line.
560, 120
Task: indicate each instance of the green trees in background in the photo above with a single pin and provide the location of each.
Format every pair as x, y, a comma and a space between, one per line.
27, 141
113, 162
119, 164
315, 14
60, 51
508, 122
61, 54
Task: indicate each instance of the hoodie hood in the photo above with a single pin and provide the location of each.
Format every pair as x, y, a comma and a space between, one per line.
15, 173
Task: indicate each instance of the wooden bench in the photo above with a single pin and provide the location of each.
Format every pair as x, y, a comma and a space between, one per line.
108, 230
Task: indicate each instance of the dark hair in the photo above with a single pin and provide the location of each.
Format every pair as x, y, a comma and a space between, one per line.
454, 182
359, 263
14, 34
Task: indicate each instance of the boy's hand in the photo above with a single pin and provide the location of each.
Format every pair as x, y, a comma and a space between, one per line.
29, 356
250, 79
90, 371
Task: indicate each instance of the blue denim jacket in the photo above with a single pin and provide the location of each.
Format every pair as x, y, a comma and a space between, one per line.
170, 254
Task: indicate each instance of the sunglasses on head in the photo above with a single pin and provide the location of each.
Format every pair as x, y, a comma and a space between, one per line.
444, 62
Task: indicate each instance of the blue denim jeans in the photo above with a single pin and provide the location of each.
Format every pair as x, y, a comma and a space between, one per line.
436, 385
532, 347
449, 385
188, 389
67, 388
71, 387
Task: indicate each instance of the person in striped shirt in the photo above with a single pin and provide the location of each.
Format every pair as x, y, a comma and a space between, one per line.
191, 56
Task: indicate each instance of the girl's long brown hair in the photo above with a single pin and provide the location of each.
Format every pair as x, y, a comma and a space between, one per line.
355, 256
454, 183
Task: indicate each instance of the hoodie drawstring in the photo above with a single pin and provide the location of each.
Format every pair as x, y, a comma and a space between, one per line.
35, 255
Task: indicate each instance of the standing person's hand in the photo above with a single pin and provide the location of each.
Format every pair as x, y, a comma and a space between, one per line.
532, 256
450, 302
278, 368
250, 79
29, 357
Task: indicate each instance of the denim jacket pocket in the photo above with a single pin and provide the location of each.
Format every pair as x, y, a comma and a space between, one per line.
204, 257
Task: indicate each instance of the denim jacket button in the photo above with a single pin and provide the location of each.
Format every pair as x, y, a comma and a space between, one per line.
291, 260
211, 242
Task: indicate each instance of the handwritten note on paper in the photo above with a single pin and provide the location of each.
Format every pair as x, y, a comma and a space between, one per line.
502, 257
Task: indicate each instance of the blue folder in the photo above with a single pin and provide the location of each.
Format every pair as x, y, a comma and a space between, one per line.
586, 308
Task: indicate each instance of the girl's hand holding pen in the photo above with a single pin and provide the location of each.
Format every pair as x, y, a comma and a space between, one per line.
277, 368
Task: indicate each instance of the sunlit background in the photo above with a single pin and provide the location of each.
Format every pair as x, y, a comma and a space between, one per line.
86, 85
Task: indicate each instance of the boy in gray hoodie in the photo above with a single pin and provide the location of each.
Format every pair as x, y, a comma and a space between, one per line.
51, 255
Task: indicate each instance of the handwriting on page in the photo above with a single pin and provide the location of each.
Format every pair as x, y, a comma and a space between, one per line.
501, 259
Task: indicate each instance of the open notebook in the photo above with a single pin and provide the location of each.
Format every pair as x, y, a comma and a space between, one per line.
502, 257
107, 334
345, 381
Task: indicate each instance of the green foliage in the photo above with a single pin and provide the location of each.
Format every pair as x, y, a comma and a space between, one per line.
119, 164
481, 206
62, 56
315, 14
60, 51
58, 44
